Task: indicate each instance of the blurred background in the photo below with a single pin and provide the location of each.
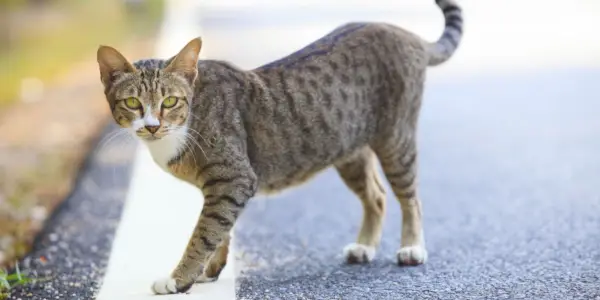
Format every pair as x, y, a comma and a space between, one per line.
51, 101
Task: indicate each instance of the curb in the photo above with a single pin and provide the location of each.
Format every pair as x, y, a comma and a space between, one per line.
71, 253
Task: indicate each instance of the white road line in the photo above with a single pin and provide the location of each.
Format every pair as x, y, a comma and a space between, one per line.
160, 211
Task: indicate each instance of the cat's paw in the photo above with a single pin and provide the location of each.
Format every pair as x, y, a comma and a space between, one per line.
204, 279
164, 286
357, 253
411, 255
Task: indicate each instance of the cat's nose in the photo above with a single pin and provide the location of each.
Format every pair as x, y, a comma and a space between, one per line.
152, 129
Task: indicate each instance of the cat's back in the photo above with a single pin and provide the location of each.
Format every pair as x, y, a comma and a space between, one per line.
351, 42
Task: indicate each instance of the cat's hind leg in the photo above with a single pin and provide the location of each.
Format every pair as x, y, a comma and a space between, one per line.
359, 172
216, 263
399, 162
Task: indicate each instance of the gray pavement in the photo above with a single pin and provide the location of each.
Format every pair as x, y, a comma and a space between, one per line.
509, 182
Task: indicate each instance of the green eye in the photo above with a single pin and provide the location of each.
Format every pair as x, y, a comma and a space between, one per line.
133, 103
169, 102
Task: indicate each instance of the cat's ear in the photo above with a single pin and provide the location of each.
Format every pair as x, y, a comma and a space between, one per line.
186, 61
112, 63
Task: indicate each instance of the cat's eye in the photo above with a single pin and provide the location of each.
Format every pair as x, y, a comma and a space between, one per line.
169, 102
133, 103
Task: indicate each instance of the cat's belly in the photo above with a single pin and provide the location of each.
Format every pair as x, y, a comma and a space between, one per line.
277, 185
279, 181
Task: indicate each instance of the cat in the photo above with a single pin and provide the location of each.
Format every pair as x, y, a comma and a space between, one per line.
348, 100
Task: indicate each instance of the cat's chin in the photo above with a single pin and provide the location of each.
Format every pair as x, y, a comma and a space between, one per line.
150, 139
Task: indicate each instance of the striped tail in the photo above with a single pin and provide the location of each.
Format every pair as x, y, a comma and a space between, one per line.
442, 50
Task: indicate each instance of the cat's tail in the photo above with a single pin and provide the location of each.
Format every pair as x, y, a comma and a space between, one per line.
442, 50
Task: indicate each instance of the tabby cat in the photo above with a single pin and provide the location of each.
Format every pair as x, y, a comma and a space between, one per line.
347, 100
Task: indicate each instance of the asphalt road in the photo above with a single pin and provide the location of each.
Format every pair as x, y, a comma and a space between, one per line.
509, 168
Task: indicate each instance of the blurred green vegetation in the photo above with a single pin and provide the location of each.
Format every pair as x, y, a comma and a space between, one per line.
8, 281
41, 38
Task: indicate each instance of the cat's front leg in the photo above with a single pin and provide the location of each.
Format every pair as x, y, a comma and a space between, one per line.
225, 198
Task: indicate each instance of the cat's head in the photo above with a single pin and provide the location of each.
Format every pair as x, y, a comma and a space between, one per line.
151, 98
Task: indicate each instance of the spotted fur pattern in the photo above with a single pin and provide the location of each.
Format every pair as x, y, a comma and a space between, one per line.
349, 100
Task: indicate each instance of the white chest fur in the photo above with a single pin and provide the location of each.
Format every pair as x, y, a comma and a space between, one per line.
167, 148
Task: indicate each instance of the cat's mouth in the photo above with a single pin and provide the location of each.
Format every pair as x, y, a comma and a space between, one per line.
151, 138
146, 137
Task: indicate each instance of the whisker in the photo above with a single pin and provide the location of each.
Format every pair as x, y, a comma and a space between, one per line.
128, 139
191, 138
107, 145
110, 140
198, 133
182, 139
110, 137
185, 144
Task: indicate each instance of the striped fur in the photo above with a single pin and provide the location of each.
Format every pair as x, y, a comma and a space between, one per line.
349, 100
442, 50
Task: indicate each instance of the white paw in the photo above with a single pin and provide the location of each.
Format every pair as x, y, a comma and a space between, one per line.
164, 286
358, 254
412, 255
203, 279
